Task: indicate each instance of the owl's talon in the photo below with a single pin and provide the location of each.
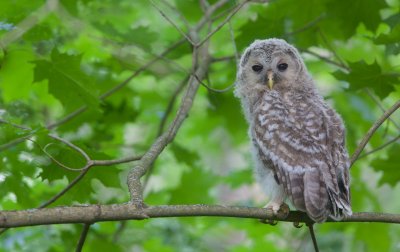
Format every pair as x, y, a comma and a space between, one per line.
297, 225
283, 211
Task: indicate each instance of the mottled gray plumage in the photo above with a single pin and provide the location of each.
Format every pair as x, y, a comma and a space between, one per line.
298, 140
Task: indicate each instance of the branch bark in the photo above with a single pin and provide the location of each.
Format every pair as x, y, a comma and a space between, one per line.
99, 213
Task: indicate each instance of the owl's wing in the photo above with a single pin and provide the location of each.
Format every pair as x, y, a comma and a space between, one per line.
302, 157
340, 161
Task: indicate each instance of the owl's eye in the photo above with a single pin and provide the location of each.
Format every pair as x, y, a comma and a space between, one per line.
257, 68
282, 67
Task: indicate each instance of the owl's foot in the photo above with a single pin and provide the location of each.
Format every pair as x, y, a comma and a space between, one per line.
276, 210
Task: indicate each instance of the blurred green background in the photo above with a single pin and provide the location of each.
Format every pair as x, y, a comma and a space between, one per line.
57, 56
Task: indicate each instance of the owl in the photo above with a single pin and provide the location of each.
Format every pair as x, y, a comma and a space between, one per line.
298, 141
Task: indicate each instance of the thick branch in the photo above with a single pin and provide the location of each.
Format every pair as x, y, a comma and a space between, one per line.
201, 60
98, 213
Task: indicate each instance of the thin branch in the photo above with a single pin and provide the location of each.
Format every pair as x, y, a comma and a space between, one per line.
204, 5
223, 22
201, 60
118, 232
170, 105
172, 23
222, 59
83, 236
15, 125
371, 131
237, 55
181, 16
223, 13
117, 212
313, 238
330, 47
115, 161
65, 190
117, 87
380, 147
179, 67
85, 170
307, 26
332, 62
378, 102
71, 145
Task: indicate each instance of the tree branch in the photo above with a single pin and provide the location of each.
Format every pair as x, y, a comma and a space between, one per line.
187, 37
209, 35
378, 102
371, 131
201, 60
83, 236
99, 213
380, 147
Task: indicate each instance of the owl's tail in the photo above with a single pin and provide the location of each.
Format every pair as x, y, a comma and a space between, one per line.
339, 205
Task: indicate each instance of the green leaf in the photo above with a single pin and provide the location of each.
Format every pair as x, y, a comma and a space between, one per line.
184, 155
269, 24
363, 75
66, 81
238, 178
393, 37
141, 36
349, 14
389, 166
194, 188
16, 86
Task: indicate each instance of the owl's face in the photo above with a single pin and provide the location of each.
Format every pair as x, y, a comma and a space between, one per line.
270, 64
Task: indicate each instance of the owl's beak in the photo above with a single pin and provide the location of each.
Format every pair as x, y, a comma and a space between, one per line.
270, 76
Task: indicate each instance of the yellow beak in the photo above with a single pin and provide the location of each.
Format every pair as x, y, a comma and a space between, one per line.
270, 80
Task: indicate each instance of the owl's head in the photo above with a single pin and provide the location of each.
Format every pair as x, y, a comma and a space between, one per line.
271, 64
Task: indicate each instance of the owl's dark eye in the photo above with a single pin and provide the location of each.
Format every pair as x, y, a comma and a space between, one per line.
282, 67
257, 68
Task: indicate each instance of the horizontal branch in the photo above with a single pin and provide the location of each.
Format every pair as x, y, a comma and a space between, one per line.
99, 213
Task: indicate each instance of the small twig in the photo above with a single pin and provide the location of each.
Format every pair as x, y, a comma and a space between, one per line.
221, 59
223, 13
66, 189
312, 234
118, 232
376, 100
83, 236
117, 87
237, 55
15, 125
55, 160
85, 170
179, 67
71, 145
170, 105
307, 26
371, 131
380, 147
222, 23
330, 47
332, 62
204, 5
182, 17
172, 23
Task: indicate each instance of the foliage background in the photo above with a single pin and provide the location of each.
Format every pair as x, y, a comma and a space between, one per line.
60, 55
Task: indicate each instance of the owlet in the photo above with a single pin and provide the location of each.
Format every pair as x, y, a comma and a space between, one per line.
298, 140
